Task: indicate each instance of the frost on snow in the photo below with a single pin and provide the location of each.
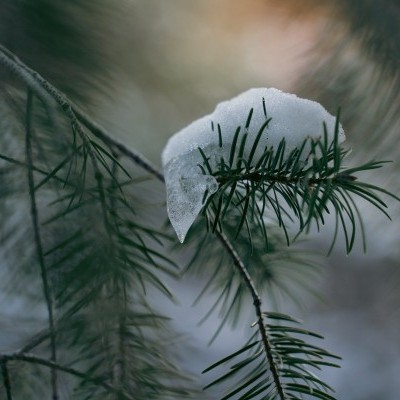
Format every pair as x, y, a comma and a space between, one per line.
292, 118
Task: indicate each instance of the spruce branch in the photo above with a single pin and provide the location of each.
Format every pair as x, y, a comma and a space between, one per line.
38, 242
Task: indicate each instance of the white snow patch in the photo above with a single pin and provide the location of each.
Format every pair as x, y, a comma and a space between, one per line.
293, 119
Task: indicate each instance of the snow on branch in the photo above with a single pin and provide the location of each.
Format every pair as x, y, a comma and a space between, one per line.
239, 130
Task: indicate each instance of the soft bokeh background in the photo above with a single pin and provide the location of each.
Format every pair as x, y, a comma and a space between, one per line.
146, 68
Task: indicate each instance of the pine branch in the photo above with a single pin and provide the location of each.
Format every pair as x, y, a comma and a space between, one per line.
274, 178
91, 147
310, 176
100, 133
38, 242
48, 93
294, 359
45, 91
276, 269
66, 106
28, 75
294, 189
119, 376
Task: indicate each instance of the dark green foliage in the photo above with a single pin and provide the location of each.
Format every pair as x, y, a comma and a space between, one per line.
278, 271
99, 257
291, 351
304, 185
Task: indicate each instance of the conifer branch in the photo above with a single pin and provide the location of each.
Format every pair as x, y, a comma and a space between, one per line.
43, 89
38, 242
290, 187
274, 175
76, 117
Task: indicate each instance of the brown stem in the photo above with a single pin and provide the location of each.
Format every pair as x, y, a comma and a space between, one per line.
279, 178
257, 305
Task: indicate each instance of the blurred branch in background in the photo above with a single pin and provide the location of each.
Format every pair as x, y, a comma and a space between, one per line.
356, 64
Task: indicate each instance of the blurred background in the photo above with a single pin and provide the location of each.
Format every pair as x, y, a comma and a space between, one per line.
146, 68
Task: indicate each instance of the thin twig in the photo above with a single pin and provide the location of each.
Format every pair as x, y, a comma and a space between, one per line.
35, 341
6, 379
33, 79
119, 372
36, 169
38, 243
257, 176
257, 305
30, 358
43, 88
100, 133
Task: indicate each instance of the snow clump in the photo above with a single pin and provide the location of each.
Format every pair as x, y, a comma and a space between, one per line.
292, 118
